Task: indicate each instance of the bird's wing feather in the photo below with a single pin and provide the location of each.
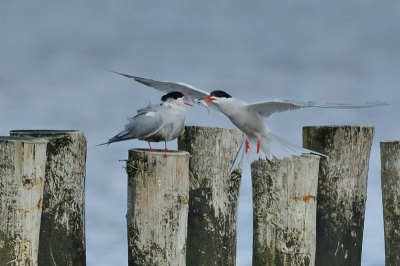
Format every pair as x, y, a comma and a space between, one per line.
268, 108
164, 86
145, 124
141, 126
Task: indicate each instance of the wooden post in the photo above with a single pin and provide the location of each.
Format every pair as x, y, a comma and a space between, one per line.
284, 210
158, 196
22, 171
390, 164
342, 190
213, 194
62, 231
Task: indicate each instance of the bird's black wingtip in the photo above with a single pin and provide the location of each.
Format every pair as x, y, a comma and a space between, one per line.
105, 143
125, 75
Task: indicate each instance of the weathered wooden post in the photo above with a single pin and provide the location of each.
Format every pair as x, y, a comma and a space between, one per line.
22, 171
158, 196
390, 180
213, 194
62, 230
342, 190
284, 210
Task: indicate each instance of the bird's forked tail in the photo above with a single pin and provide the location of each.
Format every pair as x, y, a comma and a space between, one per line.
271, 147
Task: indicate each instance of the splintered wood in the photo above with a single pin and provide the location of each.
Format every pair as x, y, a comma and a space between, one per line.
284, 210
158, 198
22, 173
390, 179
62, 232
214, 194
342, 190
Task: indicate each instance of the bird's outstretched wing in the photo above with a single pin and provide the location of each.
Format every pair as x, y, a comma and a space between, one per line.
268, 108
164, 86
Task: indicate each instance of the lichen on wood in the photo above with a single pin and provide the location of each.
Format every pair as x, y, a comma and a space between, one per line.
284, 210
62, 233
158, 198
390, 181
22, 173
214, 194
342, 190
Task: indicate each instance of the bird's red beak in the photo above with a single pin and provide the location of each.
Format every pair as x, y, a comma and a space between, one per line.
186, 95
209, 99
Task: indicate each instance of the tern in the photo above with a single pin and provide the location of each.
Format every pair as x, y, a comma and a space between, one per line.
249, 118
155, 123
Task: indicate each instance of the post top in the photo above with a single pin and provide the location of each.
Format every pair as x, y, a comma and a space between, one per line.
160, 152
23, 139
390, 142
44, 133
340, 126
203, 128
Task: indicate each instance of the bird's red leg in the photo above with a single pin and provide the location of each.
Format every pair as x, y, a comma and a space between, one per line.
166, 149
258, 145
247, 146
150, 149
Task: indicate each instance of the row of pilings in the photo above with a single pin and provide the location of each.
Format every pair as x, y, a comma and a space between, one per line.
182, 206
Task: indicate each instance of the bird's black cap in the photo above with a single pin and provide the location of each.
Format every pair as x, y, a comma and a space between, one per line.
172, 95
220, 94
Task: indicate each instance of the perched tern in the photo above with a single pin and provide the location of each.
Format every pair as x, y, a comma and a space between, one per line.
155, 123
249, 118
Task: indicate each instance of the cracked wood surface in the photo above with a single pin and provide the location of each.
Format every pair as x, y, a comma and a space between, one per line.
342, 190
62, 231
284, 210
390, 181
22, 173
214, 195
158, 198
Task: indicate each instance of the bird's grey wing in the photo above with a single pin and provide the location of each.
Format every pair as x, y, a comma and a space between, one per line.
146, 124
268, 108
141, 126
164, 86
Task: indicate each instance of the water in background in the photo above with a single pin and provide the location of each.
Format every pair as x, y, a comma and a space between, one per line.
53, 56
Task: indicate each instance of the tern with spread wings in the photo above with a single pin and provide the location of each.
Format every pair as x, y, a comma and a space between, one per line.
249, 118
